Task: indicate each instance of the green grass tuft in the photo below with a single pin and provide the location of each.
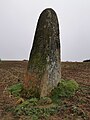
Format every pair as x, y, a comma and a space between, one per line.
66, 88
38, 108
16, 89
35, 112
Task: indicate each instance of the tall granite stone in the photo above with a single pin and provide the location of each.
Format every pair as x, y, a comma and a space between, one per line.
44, 66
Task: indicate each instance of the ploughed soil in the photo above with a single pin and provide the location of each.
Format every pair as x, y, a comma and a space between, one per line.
77, 107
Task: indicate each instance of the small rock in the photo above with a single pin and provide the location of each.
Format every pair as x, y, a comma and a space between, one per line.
21, 100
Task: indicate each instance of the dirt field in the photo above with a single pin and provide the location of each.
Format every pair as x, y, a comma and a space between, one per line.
12, 72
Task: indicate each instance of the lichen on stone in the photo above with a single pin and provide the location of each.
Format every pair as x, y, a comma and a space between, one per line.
44, 68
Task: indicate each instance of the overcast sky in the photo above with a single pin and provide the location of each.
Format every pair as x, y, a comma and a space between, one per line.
18, 19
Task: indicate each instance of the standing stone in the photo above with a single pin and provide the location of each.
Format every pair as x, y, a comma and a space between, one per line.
44, 66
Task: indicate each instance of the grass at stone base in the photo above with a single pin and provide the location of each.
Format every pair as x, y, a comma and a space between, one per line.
35, 112
66, 88
38, 108
16, 89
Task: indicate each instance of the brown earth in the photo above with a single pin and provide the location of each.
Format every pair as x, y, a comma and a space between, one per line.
78, 107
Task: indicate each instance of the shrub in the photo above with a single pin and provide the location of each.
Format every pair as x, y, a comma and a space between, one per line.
87, 60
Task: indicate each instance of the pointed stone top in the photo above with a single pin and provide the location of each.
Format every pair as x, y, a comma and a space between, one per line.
44, 66
48, 12
48, 9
